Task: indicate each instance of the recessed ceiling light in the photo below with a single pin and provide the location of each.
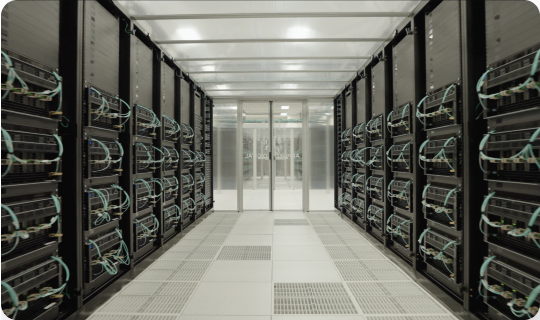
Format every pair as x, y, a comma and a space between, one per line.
327, 114
284, 114
284, 107
234, 108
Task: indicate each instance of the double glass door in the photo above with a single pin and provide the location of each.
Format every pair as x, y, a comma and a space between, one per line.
272, 164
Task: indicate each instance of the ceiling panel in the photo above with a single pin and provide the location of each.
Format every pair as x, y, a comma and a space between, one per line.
270, 28
273, 86
191, 24
264, 93
136, 7
319, 76
339, 64
298, 49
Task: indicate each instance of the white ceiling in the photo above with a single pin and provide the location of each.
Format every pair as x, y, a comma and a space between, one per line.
240, 61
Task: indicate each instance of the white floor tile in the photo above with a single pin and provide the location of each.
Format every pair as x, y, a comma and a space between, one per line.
248, 240
296, 239
289, 215
305, 271
240, 271
315, 317
297, 230
231, 299
252, 230
225, 318
300, 253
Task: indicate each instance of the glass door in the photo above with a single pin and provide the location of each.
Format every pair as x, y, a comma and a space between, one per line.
287, 155
256, 156
271, 155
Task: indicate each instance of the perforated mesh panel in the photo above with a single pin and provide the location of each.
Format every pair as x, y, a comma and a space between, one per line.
291, 222
245, 253
312, 298
334, 229
399, 305
370, 289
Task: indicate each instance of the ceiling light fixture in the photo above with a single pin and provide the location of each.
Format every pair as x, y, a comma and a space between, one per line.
284, 114
284, 107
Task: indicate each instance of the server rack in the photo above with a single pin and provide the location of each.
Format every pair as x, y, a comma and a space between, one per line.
121, 122
508, 158
32, 207
435, 160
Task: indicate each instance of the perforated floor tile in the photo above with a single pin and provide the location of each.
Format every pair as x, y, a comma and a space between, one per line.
399, 305
312, 298
370, 289
125, 304
110, 317
291, 222
350, 274
431, 317
309, 289
187, 275
351, 253
329, 239
366, 264
334, 229
166, 304
245, 253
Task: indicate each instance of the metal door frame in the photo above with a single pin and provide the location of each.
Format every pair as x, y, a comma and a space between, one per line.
240, 154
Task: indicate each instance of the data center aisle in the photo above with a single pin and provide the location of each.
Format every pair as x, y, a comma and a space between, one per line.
260, 266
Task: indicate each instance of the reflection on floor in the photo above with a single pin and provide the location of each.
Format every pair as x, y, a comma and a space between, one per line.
262, 266
287, 196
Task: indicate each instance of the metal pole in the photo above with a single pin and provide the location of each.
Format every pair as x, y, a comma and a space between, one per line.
272, 157
240, 157
255, 159
305, 156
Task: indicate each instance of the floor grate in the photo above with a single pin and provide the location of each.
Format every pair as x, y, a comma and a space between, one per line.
399, 305
334, 229
110, 317
166, 304
245, 253
370, 289
412, 318
190, 252
312, 298
291, 222
357, 271
355, 252
137, 288
329, 239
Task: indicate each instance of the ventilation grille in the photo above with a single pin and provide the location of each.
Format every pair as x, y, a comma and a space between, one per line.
137, 288
371, 289
354, 252
145, 304
344, 239
291, 222
190, 252
327, 222
246, 253
312, 298
412, 318
334, 229
399, 305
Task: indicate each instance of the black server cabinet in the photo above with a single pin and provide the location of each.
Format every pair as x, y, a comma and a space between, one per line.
509, 151
441, 151
400, 157
32, 149
171, 143
104, 117
360, 153
187, 156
